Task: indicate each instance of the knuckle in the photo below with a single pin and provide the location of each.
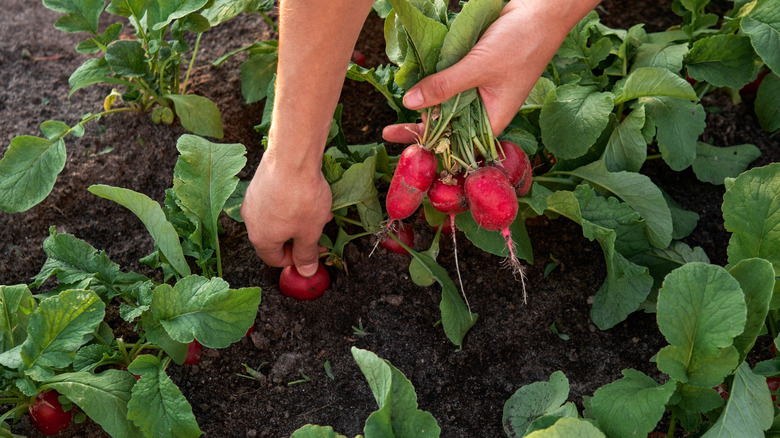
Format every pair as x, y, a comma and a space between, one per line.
441, 87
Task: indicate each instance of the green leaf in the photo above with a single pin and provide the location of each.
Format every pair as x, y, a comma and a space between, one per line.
162, 12
610, 213
757, 279
748, 412
638, 192
701, 309
654, 81
470, 23
627, 284
762, 25
313, 431
258, 71
383, 80
128, 8
567, 428
722, 60
683, 221
157, 406
57, 329
583, 111
205, 177
398, 414
356, 185
631, 406
16, 306
695, 399
92, 71
29, 170
94, 44
82, 15
153, 218
425, 39
103, 397
536, 400
73, 260
127, 58
198, 114
224, 10
714, 164
206, 310
767, 103
679, 124
627, 149
751, 212
668, 56
492, 241
233, 204
538, 94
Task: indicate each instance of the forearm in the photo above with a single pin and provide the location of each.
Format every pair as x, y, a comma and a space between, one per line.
315, 44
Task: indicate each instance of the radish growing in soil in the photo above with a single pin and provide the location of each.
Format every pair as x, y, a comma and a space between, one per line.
405, 234
493, 205
47, 414
194, 353
292, 284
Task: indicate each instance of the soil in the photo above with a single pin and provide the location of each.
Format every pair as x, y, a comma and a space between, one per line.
511, 345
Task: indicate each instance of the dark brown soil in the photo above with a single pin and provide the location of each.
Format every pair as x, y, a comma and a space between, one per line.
511, 345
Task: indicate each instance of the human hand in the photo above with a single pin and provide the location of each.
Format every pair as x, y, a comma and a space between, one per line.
504, 65
283, 204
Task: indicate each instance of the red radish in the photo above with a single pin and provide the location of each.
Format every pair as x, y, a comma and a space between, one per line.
413, 175
447, 195
250, 330
358, 58
514, 162
194, 353
292, 284
752, 87
774, 384
405, 233
47, 414
493, 205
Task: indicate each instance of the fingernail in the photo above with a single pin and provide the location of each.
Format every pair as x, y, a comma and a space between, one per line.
413, 99
307, 270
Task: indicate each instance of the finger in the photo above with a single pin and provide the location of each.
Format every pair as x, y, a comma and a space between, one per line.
278, 256
438, 87
405, 133
305, 256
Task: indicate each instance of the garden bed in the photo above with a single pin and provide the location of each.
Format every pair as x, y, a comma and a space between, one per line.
511, 345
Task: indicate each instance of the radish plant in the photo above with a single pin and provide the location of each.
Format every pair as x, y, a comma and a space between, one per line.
59, 340
150, 69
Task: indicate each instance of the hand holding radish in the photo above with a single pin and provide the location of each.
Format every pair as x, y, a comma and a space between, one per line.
505, 63
281, 204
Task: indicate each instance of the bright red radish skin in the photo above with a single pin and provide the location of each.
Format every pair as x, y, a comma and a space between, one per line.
515, 164
358, 58
194, 353
448, 198
491, 198
294, 285
47, 415
405, 233
493, 205
414, 174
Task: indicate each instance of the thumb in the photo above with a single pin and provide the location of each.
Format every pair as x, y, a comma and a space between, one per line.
305, 256
438, 87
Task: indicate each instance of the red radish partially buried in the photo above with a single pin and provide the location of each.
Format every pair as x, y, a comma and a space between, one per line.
774, 384
752, 87
405, 233
194, 353
515, 164
358, 58
493, 205
292, 284
47, 415
414, 174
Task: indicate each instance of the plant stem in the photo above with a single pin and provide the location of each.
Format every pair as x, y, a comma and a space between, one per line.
554, 180
12, 400
347, 220
654, 157
192, 63
672, 425
269, 21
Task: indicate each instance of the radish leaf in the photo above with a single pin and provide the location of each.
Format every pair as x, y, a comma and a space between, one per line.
536, 400
749, 410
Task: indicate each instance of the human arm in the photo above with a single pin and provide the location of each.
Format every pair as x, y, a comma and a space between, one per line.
504, 64
288, 198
